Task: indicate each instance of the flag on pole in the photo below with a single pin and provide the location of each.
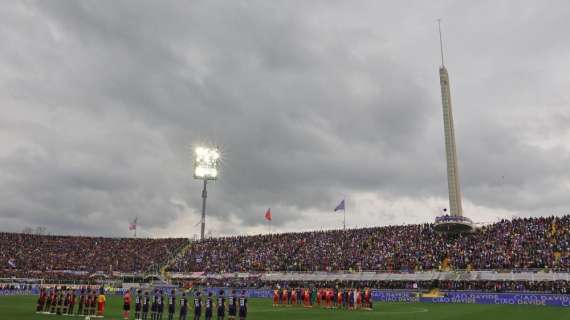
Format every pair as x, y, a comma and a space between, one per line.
133, 225
340, 206
268, 214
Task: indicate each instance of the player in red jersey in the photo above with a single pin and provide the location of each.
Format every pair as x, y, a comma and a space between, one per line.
358, 299
367, 299
276, 297
41, 300
284, 296
101, 300
293, 297
126, 304
307, 297
327, 298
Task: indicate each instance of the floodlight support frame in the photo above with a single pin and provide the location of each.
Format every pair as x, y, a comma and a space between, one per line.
204, 196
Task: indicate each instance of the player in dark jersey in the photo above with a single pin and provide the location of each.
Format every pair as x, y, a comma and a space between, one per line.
333, 298
209, 307
197, 306
54, 301
66, 298
232, 306
242, 306
54, 294
160, 305
48, 300
60, 297
71, 302
183, 306
171, 305
138, 304
221, 305
145, 303
81, 301
87, 302
93, 305
154, 305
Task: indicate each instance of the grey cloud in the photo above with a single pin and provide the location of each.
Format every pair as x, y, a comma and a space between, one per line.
309, 102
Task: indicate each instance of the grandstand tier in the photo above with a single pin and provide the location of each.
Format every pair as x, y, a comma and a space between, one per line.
529, 243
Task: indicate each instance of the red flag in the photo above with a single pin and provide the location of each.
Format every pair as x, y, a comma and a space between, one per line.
133, 225
268, 214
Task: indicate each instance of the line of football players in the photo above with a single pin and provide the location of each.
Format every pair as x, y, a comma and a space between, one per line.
62, 301
151, 307
330, 298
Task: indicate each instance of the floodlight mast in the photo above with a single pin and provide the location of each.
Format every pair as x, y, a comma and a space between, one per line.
204, 196
205, 168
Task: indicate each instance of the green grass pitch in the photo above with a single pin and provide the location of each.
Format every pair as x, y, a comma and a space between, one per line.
23, 308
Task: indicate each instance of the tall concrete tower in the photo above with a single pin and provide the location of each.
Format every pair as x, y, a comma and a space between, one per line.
455, 206
457, 223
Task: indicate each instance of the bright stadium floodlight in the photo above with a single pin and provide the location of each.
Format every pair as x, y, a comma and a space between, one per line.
206, 162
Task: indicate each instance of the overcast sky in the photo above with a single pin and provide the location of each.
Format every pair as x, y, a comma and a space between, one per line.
310, 101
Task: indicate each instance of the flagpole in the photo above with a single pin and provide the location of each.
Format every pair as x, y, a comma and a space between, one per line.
344, 213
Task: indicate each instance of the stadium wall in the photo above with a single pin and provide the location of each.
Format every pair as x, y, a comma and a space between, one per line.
558, 300
468, 297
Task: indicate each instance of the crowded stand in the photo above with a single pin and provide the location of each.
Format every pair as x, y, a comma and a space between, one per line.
520, 244
524, 243
27, 254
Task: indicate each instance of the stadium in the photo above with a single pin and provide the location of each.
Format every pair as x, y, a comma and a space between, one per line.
103, 98
515, 268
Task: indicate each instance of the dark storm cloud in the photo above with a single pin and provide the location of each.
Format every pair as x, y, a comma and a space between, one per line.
310, 101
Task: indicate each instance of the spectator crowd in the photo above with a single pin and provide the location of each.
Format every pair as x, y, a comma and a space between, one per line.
524, 243
24, 254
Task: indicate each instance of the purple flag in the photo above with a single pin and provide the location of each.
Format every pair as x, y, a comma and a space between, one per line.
340, 206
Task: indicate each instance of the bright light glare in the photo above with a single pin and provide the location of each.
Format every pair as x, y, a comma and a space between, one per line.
206, 163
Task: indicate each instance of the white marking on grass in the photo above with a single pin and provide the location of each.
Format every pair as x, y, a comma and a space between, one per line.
419, 310
414, 310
